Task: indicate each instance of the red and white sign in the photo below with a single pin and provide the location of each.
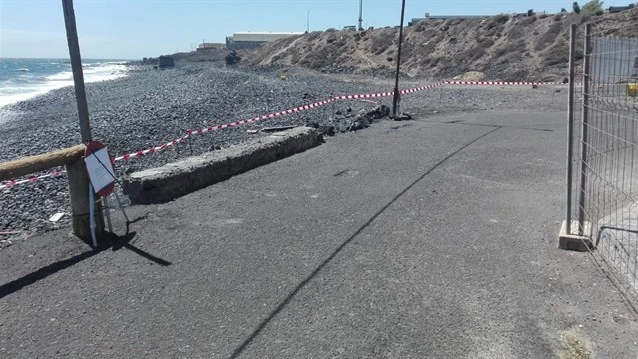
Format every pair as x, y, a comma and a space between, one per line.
100, 168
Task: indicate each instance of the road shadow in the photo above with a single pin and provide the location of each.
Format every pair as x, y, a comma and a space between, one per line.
240, 349
110, 242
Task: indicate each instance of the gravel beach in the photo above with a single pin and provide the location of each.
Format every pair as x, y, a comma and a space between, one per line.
150, 107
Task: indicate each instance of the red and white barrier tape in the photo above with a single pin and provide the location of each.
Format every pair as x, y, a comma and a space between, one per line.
367, 95
31, 179
273, 115
221, 127
422, 88
152, 150
498, 83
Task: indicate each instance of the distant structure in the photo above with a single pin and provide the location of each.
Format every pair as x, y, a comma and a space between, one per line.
206, 46
443, 18
251, 40
360, 28
617, 9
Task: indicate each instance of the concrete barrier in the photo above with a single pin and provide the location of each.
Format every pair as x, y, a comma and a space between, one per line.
162, 184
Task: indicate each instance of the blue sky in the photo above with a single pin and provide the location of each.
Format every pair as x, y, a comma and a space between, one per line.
131, 29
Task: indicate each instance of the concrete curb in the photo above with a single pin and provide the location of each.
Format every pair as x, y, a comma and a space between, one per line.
162, 184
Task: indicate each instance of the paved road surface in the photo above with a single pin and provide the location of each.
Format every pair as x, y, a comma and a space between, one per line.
425, 239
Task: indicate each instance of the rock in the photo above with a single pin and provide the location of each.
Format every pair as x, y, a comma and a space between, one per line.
379, 112
166, 62
232, 58
356, 125
326, 130
403, 117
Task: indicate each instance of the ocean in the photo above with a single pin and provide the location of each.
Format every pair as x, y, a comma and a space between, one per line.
22, 79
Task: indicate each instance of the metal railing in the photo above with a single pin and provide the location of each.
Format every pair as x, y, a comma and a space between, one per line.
602, 180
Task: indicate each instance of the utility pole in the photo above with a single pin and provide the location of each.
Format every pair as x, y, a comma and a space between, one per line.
360, 15
76, 65
79, 181
308, 22
397, 96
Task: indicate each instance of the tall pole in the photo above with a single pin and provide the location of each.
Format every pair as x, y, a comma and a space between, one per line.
360, 15
396, 84
78, 75
582, 185
308, 22
570, 128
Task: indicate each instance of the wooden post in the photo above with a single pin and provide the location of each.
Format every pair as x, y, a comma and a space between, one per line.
79, 187
78, 177
397, 95
76, 65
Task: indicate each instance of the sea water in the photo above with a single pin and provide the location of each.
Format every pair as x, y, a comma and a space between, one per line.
22, 79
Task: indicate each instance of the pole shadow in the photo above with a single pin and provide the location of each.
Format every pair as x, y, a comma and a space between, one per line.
114, 242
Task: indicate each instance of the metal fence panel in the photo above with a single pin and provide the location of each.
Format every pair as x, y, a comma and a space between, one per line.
604, 186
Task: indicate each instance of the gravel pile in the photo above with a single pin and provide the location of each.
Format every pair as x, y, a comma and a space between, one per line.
151, 107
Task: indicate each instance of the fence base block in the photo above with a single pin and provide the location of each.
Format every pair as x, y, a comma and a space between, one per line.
572, 241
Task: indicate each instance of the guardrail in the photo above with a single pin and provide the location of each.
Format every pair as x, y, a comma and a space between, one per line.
72, 159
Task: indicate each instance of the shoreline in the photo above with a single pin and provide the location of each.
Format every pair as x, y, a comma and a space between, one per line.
94, 70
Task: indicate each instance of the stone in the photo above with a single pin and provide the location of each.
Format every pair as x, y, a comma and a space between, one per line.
326, 130
166, 62
232, 58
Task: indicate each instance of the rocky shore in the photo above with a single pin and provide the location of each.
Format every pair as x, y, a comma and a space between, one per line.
150, 107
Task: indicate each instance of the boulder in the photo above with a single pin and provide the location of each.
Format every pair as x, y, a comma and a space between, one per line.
232, 58
326, 130
166, 62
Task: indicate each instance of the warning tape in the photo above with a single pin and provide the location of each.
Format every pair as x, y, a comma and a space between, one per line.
31, 179
499, 83
152, 150
367, 95
220, 127
422, 88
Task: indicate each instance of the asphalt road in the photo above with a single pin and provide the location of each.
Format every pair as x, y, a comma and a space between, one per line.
434, 238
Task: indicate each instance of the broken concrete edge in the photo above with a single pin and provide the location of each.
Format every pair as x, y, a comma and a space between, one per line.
573, 241
173, 180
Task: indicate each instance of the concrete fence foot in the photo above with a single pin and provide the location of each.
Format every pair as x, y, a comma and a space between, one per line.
572, 241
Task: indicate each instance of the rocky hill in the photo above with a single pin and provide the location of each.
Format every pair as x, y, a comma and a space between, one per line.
498, 48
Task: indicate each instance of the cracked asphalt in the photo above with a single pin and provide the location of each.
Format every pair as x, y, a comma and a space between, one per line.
432, 238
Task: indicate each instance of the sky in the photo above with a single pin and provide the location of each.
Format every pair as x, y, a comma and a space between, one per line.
132, 29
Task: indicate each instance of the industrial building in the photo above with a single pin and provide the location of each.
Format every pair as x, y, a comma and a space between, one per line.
251, 40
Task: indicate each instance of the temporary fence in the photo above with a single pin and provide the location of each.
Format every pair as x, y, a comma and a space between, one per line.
220, 127
602, 179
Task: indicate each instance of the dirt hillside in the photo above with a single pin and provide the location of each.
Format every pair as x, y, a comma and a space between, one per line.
497, 48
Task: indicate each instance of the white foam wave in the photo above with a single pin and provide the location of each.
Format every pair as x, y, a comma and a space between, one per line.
62, 76
104, 72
